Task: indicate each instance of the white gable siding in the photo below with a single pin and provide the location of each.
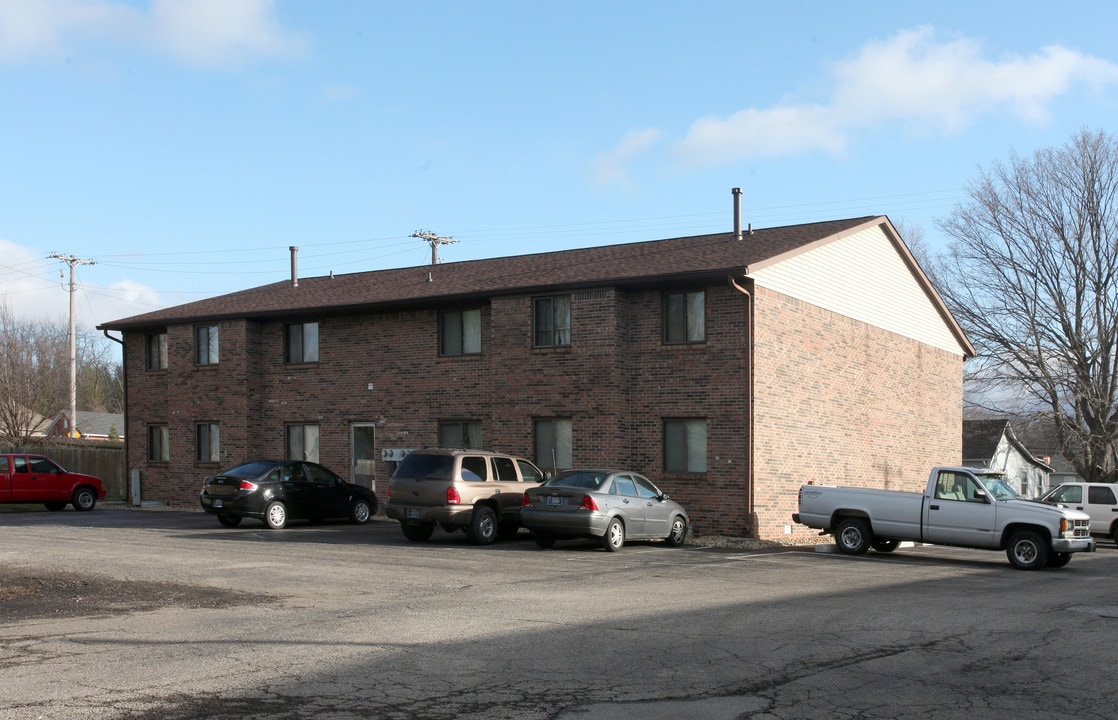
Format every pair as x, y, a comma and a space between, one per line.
862, 277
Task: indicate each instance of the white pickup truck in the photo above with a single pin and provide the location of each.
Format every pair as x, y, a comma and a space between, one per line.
961, 506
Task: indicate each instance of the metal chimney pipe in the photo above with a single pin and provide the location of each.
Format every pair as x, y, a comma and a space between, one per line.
294, 265
737, 213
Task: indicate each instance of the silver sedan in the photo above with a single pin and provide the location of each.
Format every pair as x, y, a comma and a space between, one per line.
610, 506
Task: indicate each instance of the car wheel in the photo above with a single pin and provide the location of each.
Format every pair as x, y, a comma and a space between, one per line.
678, 535
483, 526
885, 545
55, 505
419, 532
275, 515
229, 520
84, 498
1026, 550
544, 541
853, 536
614, 538
1058, 560
360, 512
1114, 533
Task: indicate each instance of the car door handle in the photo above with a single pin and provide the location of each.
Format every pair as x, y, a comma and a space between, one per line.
933, 507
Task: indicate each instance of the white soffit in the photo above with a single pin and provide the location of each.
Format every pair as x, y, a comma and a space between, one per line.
863, 277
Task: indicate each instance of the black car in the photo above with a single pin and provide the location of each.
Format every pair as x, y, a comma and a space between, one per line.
276, 491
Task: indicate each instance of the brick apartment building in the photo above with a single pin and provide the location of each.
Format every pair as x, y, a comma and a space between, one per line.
729, 368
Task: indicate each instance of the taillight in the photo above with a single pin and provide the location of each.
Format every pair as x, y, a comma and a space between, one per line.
588, 503
526, 501
247, 486
452, 496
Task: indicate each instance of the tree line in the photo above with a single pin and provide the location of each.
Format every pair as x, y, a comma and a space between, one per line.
35, 374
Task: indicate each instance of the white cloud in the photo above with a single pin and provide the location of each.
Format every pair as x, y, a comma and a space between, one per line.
910, 79
200, 32
612, 168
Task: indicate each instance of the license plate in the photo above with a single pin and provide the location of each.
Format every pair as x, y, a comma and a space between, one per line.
554, 501
217, 503
412, 513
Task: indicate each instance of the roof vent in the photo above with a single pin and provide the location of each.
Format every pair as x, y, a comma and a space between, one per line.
294, 265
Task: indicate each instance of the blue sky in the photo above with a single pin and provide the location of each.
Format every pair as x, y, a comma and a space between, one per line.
186, 145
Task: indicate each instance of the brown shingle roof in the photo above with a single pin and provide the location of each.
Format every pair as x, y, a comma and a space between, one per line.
626, 264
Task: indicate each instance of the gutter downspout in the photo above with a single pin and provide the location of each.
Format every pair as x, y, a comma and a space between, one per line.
750, 506
127, 435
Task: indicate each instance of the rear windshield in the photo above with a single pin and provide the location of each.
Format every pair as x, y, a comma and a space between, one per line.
418, 466
254, 469
587, 480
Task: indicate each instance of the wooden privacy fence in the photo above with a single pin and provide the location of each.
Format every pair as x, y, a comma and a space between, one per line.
103, 459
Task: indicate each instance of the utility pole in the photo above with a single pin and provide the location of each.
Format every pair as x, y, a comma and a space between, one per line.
434, 241
72, 262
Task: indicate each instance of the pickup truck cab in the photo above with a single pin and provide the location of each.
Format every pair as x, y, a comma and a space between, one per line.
960, 506
28, 478
473, 490
1098, 500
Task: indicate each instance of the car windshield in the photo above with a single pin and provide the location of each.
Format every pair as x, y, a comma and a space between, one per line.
581, 479
420, 466
253, 469
998, 489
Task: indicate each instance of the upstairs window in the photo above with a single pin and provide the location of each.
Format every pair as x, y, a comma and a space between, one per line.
685, 318
206, 345
460, 332
460, 434
685, 445
157, 351
301, 343
208, 443
552, 319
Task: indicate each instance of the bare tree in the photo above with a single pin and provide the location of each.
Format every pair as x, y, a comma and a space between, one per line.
35, 372
1032, 275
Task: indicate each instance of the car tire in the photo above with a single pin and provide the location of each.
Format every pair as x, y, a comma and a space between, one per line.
229, 520
275, 515
614, 539
853, 536
360, 512
678, 535
885, 545
483, 526
1114, 533
544, 541
1026, 550
85, 498
55, 505
418, 532
1058, 560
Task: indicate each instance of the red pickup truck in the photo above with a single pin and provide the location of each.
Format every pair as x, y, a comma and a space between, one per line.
38, 479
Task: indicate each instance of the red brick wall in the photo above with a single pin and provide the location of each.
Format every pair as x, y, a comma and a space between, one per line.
843, 403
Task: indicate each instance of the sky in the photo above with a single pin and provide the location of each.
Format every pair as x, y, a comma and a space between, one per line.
183, 146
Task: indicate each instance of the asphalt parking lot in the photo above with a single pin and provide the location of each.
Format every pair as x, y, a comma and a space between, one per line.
137, 614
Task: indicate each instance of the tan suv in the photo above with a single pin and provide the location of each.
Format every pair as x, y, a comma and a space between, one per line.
472, 490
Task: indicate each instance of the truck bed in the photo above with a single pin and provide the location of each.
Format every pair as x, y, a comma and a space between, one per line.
896, 514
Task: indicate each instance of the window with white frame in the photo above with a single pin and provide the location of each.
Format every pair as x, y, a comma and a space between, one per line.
685, 445
207, 442
460, 332
301, 343
554, 443
206, 344
302, 442
552, 321
685, 317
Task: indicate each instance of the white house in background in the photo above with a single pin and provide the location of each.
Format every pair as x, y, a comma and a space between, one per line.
992, 445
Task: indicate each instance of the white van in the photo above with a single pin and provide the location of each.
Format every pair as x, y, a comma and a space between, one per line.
1099, 500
